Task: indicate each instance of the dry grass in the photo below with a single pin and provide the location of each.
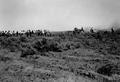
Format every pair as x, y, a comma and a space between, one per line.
65, 58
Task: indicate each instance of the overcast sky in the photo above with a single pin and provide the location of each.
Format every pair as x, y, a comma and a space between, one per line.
57, 14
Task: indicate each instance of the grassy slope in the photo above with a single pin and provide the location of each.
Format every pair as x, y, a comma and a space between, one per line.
77, 59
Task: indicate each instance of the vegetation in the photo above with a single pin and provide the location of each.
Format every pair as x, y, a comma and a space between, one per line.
37, 56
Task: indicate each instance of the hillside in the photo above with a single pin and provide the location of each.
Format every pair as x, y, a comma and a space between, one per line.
70, 56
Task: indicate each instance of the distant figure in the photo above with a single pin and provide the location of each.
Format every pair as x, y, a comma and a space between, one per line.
112, 30
77, 31
17, 33
81, 29
99, 36
27, 33
47, 33
13, 33
91, 30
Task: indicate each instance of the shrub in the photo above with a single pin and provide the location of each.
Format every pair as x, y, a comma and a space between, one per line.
27, 51
107, 69
52, 46
37, 45
11, 43
23, 39
4, 59
45, 45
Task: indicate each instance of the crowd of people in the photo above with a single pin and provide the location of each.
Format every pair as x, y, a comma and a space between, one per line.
30, 33
27, 33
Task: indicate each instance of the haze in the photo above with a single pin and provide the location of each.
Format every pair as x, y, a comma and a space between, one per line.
58, 15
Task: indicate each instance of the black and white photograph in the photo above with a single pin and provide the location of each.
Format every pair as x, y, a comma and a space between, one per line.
59, 40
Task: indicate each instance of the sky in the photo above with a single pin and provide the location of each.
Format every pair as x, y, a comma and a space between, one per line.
58, 15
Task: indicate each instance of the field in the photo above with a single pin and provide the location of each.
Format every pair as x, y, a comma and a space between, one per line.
61, 57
